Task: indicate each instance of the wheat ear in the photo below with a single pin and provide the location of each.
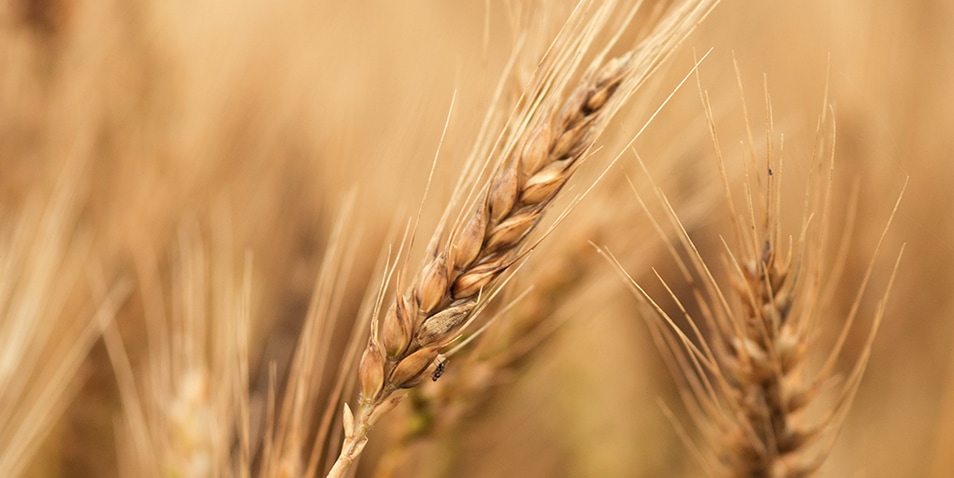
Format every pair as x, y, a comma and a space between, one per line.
745, 382
421, 322
185, 408
546, 142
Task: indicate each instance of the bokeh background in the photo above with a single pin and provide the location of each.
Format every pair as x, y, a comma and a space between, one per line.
261, 119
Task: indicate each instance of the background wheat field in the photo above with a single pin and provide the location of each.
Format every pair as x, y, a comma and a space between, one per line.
195, 193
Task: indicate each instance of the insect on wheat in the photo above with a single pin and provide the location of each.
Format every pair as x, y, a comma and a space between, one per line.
439, 371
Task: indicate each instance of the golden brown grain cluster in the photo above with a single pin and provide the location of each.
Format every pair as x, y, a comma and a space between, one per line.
449, 288
544, 145
431, 314
760, 361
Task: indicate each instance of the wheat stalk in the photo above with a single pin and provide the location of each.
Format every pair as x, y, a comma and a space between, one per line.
186, 407
43, 341
448, 290
285, 451
528, 320
743, 368
540, 156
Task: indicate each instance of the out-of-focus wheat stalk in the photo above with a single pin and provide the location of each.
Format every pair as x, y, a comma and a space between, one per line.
186, 409
46, 324
746, 380
187, 405
309, 388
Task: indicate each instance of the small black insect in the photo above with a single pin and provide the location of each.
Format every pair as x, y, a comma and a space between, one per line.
770, 171
439, 370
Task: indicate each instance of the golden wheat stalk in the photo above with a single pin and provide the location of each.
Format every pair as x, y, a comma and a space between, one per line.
743, 368
564, 280
543, 150
433, 311
440, 405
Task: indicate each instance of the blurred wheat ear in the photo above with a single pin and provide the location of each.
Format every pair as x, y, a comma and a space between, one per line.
743, 364
185, 407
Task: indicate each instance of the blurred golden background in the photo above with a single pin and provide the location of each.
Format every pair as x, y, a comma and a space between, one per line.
245, 127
